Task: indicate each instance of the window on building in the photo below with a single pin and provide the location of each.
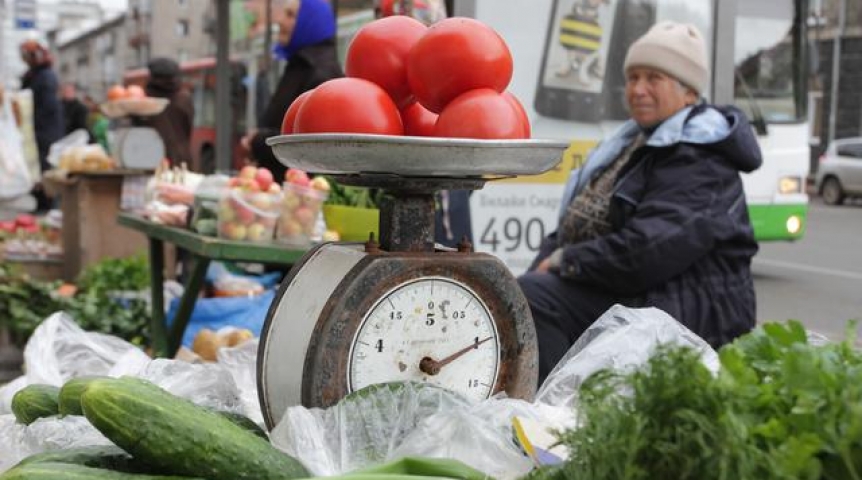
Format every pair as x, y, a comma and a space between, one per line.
182, 28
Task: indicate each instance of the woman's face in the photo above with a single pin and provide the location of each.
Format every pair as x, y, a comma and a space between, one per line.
287, 21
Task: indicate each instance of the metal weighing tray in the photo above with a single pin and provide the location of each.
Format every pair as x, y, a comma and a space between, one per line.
344, 154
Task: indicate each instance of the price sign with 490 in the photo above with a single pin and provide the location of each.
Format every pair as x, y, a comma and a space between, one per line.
513, 233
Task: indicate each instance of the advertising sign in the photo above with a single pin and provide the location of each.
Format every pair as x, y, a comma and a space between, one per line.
24, 14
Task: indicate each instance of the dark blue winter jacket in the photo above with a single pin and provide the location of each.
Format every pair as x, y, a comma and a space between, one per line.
681, 238
48, 120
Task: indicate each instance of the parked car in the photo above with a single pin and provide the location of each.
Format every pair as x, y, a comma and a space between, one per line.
839, 175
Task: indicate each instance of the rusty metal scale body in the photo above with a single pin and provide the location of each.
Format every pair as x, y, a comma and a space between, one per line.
353, 314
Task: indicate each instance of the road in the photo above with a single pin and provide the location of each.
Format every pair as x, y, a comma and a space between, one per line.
817, 280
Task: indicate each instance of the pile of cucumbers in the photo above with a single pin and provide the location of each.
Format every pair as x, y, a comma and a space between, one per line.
157, 435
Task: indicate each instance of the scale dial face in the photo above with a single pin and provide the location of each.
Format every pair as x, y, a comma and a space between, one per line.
430, 329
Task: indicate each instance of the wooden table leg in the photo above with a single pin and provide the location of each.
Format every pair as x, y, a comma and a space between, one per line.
187, 302
158, 331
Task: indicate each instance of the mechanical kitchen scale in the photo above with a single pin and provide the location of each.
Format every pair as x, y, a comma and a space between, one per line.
350, 315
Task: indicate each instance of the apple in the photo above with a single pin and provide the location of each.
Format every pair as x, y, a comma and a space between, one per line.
319, 183
291, 200
248, 171
236, 232
226, 213
256, 232
290, 228
264, 178
262, 201
304, 215
245, 215
249, 184
296, 177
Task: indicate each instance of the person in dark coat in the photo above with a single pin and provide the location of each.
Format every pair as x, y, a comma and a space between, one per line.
74, 110
48, 122
306, 40
176, 122
657, 216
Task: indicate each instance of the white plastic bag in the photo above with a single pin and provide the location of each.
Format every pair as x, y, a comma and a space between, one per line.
241, 363
206, 384
59, 350
467, 435
15, 179
621, 339
362, 430
18, 441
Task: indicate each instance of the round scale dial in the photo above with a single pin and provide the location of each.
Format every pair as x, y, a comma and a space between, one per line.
431, 329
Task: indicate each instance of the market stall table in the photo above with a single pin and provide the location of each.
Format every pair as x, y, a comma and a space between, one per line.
90, 201
203, 250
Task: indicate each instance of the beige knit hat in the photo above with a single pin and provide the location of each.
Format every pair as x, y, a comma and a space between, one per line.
674, 48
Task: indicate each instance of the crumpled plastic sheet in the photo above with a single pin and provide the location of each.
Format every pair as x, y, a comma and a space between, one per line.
18, 441
480, 435
241, 363
206, 384
59, 350
621, 339
359, 431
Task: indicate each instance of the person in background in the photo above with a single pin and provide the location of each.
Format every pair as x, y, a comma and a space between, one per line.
657, 215
175, 123
306, 40
97, 122
74, 111
48, 121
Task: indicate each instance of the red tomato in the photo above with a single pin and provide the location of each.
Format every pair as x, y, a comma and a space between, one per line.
516, 104
418, 121
379, 51
454, 56
482, 113
348, 105
290, 114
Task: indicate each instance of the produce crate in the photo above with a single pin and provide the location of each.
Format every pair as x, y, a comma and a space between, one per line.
90, 202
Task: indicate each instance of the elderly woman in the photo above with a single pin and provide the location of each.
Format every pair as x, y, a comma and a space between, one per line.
657, 216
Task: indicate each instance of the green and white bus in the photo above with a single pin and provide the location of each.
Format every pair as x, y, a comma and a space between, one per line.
568, 73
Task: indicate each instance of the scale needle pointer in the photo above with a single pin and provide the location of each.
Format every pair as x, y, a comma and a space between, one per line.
432, 367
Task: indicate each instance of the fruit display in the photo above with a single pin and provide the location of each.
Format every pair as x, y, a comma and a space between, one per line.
401, 75
250, 207
300, 207
131, 100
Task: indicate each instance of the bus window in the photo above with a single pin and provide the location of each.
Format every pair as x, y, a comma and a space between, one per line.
769, 84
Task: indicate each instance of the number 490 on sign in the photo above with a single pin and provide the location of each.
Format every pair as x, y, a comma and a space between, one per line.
513, 233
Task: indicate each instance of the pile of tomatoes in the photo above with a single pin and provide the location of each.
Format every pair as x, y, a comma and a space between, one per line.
403, 78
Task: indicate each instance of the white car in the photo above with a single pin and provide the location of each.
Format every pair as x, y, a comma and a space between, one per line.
839, 175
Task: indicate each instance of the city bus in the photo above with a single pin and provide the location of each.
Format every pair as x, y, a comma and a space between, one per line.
200, 78
758, 51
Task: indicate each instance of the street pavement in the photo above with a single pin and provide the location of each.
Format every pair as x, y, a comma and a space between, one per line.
817, 280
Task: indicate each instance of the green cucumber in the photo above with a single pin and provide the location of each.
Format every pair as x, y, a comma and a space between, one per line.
102, 456
70, 394
65, 471
241, 420
35, 401
174, 435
